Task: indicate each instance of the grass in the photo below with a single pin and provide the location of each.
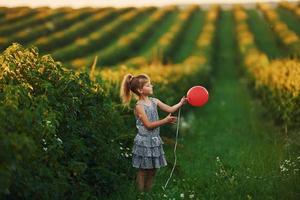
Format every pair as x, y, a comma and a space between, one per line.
92, 51
157, 33
264, 36
189, 39
290, 19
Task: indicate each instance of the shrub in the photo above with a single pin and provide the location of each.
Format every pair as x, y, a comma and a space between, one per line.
57, 131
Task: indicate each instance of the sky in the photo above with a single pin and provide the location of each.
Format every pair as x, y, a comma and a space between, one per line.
120, 3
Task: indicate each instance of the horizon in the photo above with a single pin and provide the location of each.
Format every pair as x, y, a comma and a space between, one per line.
126, 3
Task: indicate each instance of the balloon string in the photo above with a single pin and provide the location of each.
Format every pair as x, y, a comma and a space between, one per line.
178, 122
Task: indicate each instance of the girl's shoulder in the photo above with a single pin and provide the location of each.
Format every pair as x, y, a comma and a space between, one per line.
138, 104
155, 100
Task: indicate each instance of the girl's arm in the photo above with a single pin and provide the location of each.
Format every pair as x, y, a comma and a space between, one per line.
140, 112
170, 109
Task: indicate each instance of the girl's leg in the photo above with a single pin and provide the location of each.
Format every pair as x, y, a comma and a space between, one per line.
150, 177
140, 179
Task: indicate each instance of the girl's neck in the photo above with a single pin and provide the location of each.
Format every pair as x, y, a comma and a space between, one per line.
143, 98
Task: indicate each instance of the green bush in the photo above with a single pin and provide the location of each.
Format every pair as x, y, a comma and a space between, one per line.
58, 131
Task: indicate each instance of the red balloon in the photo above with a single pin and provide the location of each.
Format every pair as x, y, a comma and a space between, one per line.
197, 96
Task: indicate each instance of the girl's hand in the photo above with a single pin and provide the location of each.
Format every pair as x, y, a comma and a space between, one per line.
171, 119
183, 101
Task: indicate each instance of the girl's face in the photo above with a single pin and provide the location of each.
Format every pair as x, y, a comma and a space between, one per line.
147, 89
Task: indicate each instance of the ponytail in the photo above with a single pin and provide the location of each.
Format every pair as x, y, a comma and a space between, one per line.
130, 84
125, 92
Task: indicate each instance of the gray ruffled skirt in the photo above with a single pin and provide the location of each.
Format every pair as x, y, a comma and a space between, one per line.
147, 152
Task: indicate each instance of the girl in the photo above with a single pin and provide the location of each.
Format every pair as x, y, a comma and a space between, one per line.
147, 152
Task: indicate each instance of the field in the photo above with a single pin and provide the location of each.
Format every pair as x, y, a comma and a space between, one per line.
65, 135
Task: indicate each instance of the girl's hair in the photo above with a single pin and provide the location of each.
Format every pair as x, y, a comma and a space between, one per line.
130, 84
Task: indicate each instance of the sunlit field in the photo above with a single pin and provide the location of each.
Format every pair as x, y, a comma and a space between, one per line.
64, 133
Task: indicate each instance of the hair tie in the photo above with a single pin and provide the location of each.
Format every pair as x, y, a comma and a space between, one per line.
129, 83
131, 78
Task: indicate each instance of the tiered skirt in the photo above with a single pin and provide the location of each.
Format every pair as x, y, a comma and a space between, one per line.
147, 152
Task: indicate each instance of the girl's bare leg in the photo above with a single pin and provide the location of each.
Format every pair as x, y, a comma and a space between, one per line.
140, 179
150, 177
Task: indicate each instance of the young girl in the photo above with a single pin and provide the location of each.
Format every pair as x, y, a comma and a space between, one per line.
147, 152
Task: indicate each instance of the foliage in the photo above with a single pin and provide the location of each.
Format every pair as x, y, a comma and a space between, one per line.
57, 131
